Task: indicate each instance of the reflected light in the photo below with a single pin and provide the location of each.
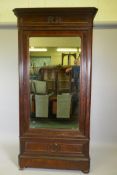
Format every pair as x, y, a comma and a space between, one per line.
79, 50
36, 49
67, 49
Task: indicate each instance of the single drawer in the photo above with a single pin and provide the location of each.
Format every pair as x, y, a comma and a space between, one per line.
55, 147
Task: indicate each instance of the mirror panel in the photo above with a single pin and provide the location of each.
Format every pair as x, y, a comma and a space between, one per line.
54, 82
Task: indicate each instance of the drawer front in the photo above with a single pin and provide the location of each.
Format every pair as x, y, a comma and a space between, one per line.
55, 148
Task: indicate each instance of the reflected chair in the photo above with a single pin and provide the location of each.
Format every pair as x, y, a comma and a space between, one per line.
63, 105
42, 105
41, 99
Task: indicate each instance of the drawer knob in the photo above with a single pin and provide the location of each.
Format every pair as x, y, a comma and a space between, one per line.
54, 147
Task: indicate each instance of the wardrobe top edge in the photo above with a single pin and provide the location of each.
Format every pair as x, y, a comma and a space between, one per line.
69, 10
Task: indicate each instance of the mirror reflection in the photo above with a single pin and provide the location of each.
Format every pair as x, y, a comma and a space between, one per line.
54, 82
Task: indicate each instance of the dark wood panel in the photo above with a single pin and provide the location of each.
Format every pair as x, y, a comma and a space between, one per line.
55, 163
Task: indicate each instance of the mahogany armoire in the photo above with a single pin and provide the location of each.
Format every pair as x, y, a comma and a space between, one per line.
60, 138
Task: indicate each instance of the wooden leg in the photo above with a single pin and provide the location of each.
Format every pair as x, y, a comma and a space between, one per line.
85, 171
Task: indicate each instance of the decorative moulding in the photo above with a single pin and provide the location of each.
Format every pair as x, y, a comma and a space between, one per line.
97, 25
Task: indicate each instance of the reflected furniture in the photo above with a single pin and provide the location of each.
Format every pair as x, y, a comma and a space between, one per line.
60, 148
42, 105
57, 80
69, 55
63, 105
53, 81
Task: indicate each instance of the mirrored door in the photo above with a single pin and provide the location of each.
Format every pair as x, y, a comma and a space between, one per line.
54, 82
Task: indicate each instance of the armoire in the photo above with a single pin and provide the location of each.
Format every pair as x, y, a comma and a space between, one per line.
55, 141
